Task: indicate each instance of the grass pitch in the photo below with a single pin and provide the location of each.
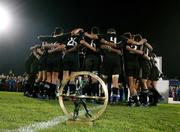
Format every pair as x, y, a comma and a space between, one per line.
17, 111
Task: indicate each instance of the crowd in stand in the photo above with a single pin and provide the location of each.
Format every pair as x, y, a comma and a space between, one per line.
126, 59
175, 93
174, 89
11, 82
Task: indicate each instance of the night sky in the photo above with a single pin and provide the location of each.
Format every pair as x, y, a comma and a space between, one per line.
159, 22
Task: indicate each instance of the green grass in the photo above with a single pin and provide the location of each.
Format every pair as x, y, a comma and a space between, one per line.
17, 111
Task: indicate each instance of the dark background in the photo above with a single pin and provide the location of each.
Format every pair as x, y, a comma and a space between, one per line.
159, 22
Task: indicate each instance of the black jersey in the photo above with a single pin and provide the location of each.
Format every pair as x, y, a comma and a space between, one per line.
154, 72
93, 43
153, 62
61, 39
120, 41
29, 60
144, 63
146, 49
129, 55
72, 41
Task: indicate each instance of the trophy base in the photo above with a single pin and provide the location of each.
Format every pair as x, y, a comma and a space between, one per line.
71, 122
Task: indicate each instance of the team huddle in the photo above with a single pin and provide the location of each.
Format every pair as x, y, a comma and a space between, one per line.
126, 59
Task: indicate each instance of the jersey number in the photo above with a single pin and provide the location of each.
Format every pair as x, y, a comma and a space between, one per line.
93, 44
72, 42
113, 39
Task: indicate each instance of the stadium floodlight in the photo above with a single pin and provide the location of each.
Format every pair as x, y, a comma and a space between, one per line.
5, 18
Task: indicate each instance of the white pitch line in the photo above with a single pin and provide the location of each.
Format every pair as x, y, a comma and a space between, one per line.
46, 124
40, 125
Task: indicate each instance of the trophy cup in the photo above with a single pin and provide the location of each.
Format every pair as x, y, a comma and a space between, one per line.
86, 102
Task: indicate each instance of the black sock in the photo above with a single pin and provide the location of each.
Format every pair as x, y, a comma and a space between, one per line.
53, 91
72, 88
35, 89
144, 95
46, 88
153, 97
115, 90
95, 89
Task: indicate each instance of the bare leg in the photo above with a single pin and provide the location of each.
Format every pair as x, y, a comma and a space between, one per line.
132, 86
49, 77
39, 77
44, 76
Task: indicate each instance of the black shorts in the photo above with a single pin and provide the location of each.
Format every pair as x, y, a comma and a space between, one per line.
28, 62
111, 64
54, 63
92, 62
132, 69
144, 69
154, 74
42, 63
35, 66
71, 62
